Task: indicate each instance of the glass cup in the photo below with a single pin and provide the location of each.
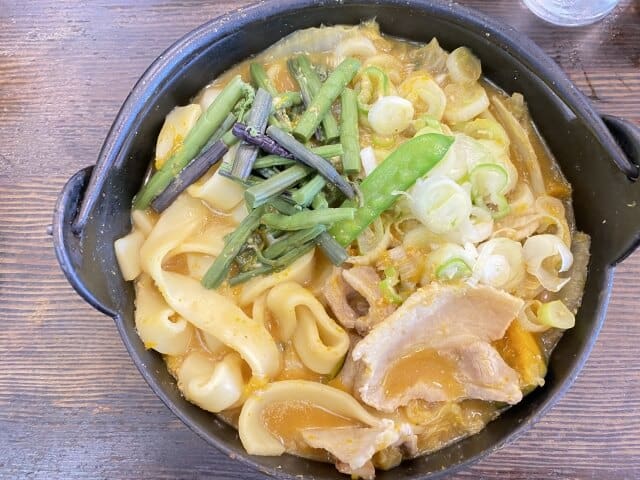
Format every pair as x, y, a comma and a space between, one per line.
571, 13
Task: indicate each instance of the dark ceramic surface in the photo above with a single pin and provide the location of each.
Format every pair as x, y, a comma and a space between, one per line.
600, 172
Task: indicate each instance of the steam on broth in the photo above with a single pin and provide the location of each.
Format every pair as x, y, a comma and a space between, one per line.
354, 249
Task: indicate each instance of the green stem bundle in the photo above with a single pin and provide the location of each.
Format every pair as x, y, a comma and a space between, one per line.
197, 138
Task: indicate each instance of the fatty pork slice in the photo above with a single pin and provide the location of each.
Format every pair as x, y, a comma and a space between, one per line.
355, 298
354, 447
436, 347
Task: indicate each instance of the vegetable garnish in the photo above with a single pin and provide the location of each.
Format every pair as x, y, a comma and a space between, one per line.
453, 269
260, 78
304, 155
307, 219
388, 286
233, 244
409, 162
371, 84
286, 100
538, 317
556, 314
328, 93
265, 142
332, 249
324, 151
197, 138
310, 84
188, 175
257, 121
281, 101
308, 192
259, 194
294, 239
349, 135
274, 266
488, 181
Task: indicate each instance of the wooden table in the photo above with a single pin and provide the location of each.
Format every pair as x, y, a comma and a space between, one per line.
72, 405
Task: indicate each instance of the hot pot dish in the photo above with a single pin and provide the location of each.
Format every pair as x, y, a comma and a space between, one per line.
354, 248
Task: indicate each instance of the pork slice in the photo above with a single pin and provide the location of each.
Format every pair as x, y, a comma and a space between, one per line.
455, 321
354, 447
355, 299
349, 370
365, 472
478, 371
336, 293
366, 282
484, 374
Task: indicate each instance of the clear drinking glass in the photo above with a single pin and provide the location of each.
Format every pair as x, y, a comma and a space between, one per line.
571, 13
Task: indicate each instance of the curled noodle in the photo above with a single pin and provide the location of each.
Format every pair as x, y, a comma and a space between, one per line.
208, 310
256, 438
319, 341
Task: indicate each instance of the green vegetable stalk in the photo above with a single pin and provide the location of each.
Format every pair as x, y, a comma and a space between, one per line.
197, 138
233, 244
292, 240
328, 93
307, 218
260, 78
349, 135
332, 249
274, 266
399, 171
306, 193
310, 85
280, 101
259, 194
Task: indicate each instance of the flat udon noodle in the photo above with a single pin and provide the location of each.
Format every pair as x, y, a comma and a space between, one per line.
206, 309
218, 316
219, 192
213, 386
258, 440
460, 320
319, 342
143, 221
157, 324
127, 251
209, 242
201, 249
300, 271
127, 248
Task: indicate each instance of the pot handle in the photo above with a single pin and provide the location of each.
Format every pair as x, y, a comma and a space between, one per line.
68, 246
627, 135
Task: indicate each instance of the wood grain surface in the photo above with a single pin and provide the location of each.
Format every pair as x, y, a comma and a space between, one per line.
72, 405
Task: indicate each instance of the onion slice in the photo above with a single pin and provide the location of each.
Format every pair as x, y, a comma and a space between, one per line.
440, 204
540, 248
500, 264
528, 317
556, 314
390, 115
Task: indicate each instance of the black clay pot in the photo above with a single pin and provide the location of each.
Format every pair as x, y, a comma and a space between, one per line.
600, 159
